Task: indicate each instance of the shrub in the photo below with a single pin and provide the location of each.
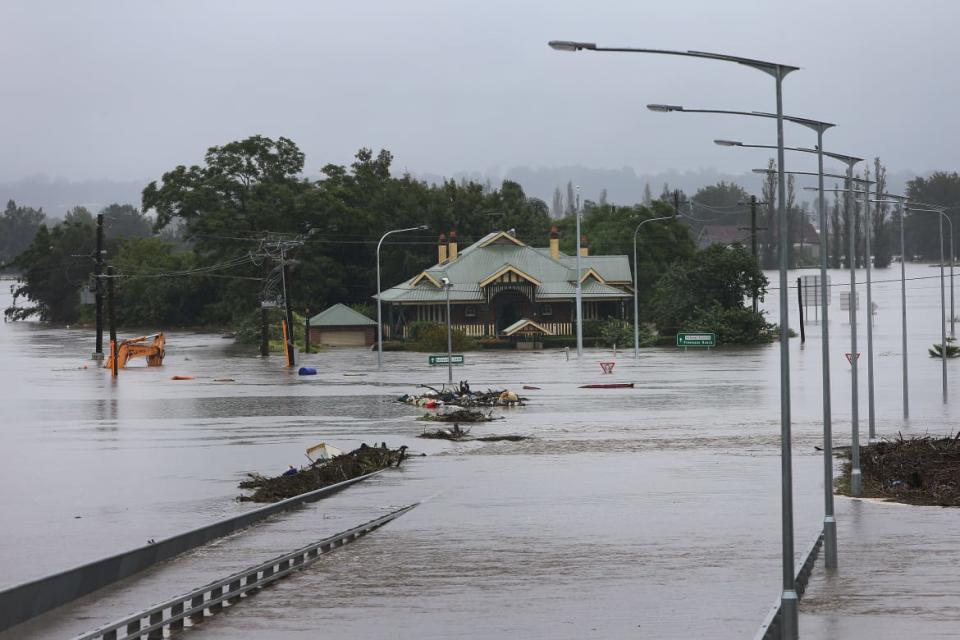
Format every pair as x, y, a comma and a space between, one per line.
732, 326
432, 336
620, 333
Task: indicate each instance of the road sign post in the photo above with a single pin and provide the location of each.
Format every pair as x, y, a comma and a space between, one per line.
696, 339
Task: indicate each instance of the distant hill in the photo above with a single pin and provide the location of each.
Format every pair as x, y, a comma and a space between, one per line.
625, 186
58, 195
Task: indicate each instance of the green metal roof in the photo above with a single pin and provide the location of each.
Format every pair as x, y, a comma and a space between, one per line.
340, 315
476, 263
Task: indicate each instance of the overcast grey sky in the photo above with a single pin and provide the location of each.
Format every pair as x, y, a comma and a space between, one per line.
126, 90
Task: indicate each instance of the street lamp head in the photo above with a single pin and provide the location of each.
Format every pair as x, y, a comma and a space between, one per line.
664, 108
570, 45
728, 143
423, 227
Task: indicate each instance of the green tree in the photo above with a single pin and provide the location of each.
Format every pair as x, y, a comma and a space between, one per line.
147, 295
882, 253
54, 267
718, 275
18, 226
125, 221
921, 228
610, 230
243, 190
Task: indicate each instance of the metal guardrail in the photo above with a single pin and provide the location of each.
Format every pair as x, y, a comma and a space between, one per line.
192, 608
770, 628
21, 602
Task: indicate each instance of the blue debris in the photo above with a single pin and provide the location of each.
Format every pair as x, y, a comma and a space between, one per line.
307, 371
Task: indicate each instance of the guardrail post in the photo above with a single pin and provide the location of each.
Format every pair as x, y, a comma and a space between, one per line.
234, 586
175, 610
196, 601
216, 593
156, 634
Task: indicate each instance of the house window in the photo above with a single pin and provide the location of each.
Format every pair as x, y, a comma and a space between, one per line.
470, 311
546, 309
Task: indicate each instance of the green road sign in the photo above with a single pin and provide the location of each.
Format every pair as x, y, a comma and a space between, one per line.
454, 359
698, 339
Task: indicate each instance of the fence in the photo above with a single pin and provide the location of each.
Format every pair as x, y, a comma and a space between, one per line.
770, 629
21, 602
173, 615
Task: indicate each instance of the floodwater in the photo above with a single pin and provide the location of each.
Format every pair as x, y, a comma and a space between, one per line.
650, 512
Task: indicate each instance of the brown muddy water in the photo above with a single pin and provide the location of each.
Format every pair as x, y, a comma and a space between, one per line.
645, 512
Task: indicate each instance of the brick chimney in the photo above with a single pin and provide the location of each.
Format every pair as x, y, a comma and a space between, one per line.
584, 246
453, 246
554, 243
442, 249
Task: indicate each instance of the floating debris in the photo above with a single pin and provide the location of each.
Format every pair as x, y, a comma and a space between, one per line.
458, 415
921, 470
462, 396
322, 473
456, 434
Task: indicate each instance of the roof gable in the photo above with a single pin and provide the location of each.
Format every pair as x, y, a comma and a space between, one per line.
426, 276
509, 268
591, 273
340, 315
525, 326
501, 237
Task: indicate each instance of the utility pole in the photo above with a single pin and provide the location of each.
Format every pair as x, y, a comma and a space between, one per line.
112, 316
286, 306
753, 228
98, 272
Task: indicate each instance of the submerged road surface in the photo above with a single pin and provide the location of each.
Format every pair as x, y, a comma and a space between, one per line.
651, 511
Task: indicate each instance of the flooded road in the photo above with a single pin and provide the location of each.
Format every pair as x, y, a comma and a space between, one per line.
651, 511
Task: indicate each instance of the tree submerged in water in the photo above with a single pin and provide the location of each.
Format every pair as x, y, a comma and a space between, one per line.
936, 351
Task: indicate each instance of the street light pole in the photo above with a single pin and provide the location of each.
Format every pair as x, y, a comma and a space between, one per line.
636, 287
855, 477
380, 292
788, 598
579, 289
943, 317
871, 416
903, 313
448, 285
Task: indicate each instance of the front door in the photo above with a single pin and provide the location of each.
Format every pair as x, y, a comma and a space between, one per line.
508, 308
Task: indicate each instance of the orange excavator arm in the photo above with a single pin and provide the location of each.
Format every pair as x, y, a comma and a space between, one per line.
138, 348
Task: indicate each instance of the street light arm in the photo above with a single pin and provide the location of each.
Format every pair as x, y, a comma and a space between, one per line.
773, 68
816, 125
836, 156
391, 232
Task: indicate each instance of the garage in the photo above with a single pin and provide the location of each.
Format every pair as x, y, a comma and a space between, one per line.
341, 326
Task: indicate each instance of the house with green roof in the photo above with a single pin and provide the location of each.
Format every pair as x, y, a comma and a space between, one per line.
341, 326
499, 284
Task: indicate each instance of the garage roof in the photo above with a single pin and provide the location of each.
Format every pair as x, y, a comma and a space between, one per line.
340, 315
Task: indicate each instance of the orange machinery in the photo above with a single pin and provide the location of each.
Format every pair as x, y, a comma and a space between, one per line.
136, 348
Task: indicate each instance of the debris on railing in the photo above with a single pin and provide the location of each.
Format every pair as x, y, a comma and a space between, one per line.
922, 470
322, 473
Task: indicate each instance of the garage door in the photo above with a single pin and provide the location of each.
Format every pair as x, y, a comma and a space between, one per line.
344, 338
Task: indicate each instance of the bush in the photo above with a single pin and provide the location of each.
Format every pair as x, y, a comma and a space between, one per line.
591, 328
620, 333
432, 336
732, 326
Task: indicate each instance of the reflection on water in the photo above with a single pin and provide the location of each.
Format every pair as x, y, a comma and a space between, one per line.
628, 506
